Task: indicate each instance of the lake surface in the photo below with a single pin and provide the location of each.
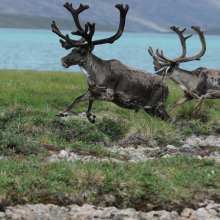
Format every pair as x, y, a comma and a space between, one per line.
41, 50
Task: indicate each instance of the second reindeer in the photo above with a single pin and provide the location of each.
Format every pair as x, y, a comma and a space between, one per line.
199, 84
111, 80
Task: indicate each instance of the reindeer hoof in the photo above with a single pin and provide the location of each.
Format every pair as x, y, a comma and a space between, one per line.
92, 118
61, 114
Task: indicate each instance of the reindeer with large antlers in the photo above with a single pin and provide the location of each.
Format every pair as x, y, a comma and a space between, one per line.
111, 80
199, 84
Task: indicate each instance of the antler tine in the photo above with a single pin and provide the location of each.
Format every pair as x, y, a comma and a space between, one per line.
84, 34
202, 39
123, 12
56, 30
75, 13
166, 61
182, 39
157, 64
162, 57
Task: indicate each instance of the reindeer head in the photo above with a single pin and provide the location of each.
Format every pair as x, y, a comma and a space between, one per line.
81, 50
172, 65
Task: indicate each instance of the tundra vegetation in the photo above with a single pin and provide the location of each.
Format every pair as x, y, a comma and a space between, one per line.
29, 129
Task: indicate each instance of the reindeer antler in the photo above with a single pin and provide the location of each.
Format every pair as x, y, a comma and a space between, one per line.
166, 61
69, 43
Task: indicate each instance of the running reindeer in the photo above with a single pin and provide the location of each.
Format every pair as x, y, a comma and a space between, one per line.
199, 84
111, 80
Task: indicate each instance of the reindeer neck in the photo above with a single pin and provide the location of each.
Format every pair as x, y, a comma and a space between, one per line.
184, 79
92, 68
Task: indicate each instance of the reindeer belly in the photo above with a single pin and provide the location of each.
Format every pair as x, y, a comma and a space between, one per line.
133, 89
142, 97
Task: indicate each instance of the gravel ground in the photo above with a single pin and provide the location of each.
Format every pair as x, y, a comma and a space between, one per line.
208, 211
199, 146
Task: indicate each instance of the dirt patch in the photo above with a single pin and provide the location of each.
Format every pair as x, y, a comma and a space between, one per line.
80, 151
56, 198
60, 199
53, 148
135, 139
185, 151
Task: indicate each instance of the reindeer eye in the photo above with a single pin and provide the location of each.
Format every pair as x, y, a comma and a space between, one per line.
82, 52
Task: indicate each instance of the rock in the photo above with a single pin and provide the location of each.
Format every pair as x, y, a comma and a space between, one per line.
152, 149
211, 138
166, 156
2, 215
150, 207
40, 211
216, 154
202, 204
187, 146
63, 154
106, 213
186, 213
130, 212
174, 214
212, 211
130, 149
199, 157
171, 147
152, 143
209, 201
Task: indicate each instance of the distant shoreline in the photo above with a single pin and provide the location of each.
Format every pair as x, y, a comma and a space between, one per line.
33, 22
37, 22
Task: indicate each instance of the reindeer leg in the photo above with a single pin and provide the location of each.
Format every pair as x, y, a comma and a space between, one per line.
86, 96
211, 95
182, 100
198, 106
91, 117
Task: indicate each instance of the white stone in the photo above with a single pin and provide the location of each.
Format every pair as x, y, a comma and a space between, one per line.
171, 147
186, 146
63, 154
211, 138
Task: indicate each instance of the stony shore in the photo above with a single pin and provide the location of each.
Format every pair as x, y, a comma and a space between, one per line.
207, 211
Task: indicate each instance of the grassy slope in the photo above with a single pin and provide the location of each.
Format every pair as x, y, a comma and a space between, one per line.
28, 103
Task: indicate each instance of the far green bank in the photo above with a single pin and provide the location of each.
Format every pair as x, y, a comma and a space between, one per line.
38, 22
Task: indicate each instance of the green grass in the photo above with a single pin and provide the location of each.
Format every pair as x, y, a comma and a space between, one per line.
158, 182
28, 103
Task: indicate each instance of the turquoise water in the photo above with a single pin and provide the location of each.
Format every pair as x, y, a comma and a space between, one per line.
41, 50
